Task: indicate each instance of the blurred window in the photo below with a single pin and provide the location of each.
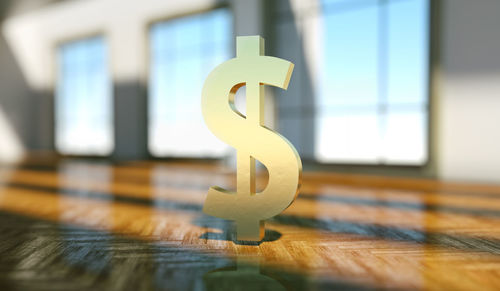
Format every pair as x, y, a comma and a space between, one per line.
370, 79
183, 51
84, 117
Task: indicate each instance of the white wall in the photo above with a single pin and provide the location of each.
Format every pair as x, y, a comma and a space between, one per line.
34, 36
468, 96
469, 91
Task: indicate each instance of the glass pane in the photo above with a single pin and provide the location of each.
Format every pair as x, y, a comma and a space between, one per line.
350, 58
407, 52
360, 121
405, 140
84, 119
347, 3
348, 138
183, 52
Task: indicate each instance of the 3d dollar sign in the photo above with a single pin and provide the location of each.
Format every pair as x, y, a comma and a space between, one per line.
251, 139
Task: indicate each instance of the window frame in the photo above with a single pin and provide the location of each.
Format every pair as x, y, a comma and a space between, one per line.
149, 64
428, 166
55, 47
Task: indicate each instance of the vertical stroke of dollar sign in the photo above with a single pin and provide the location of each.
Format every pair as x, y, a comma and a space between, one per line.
250, 138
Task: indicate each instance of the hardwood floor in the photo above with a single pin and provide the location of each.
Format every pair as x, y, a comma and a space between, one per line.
76, 224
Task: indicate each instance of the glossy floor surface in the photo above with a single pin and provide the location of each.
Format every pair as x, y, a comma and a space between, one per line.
82, 225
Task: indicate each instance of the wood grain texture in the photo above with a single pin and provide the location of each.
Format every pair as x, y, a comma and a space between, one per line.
77, 224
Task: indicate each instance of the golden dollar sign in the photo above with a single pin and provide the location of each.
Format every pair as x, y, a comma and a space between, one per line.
251, 139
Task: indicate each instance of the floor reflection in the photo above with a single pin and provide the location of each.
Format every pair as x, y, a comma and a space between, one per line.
86, 225
43, 255
84, 249
225, 230
245, 276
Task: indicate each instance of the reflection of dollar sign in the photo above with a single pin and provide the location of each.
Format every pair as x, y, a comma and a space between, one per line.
250, 138
246, 276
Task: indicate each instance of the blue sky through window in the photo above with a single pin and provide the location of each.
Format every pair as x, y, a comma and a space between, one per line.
84, 118
372, 95
183, 52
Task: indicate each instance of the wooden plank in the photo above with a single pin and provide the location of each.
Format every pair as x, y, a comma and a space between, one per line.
97, 225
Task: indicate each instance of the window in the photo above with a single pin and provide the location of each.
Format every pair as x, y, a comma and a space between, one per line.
84, 119
371, 89
183, 52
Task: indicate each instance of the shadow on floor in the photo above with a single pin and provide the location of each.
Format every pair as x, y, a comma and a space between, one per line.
451, 241
37, 254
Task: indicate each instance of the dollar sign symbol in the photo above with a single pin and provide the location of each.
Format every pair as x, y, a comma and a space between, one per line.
251, 139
